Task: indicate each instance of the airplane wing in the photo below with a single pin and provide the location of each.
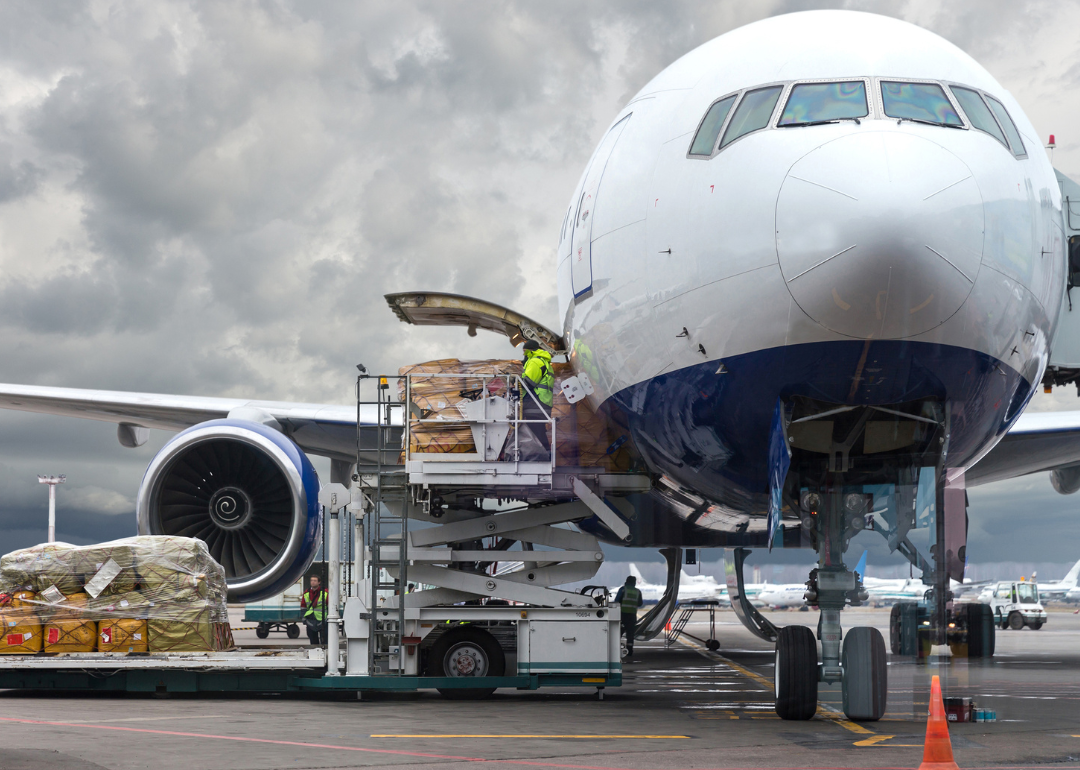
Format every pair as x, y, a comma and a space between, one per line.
322, 429
1040, 441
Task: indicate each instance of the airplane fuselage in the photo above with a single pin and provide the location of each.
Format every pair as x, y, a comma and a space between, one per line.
869, 261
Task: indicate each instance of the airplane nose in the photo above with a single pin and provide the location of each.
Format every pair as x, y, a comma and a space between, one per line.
879, 234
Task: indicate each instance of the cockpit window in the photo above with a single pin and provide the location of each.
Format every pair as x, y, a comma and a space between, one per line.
705, 141
923, 102
753, 113
978, 113
1006, 123
811, 103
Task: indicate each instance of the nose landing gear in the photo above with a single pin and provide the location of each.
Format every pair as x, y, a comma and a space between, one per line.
858, 661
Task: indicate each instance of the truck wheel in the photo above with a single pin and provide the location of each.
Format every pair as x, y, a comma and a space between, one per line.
894, 630
1036, 625
1016, 621
795, 676
293, 631
467, 652
263, 630
981, 630
865, 682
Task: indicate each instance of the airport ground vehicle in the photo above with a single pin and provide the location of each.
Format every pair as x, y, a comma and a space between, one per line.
473, 626
1016, 604
277, 613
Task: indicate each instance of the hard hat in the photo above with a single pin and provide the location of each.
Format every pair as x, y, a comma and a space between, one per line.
531, 345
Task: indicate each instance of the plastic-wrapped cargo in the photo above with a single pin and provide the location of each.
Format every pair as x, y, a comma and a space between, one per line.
138, 594
583, 438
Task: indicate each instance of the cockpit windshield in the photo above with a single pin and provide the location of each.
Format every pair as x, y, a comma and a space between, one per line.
925, 102
978, 113
753, 113
824, 103
705, 141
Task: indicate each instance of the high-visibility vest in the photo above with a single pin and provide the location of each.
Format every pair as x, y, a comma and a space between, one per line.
631, 599
539, 376
316, 604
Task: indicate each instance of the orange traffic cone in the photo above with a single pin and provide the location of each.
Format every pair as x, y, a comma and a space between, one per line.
937, 754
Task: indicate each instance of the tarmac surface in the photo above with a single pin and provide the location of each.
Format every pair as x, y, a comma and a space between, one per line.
679, 707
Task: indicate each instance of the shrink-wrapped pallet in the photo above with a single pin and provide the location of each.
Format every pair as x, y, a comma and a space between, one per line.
583, 438
139, 594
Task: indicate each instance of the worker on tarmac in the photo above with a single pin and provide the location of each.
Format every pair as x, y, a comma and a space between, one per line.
313, 602
629, 599
538, 393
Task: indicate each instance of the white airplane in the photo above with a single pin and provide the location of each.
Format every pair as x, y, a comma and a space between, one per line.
817, 264
691, 587
782, 596
1064, 589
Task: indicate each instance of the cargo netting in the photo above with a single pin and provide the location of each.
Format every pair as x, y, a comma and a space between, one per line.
583, 438
147, 594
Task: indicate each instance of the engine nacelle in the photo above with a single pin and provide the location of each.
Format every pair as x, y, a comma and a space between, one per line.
245, 490
1066, 480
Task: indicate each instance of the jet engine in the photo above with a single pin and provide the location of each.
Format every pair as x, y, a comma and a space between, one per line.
245, 490
1066, 480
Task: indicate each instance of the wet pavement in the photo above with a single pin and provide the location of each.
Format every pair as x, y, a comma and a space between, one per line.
680, 707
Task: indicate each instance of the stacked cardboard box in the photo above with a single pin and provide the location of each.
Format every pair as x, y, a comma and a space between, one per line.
139, 594
583, 437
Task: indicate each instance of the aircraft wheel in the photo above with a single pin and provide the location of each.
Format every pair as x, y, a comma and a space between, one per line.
865, 684
263, 630
795, 676
712, 645
981, 631
894, 630
467, 652
1016, 621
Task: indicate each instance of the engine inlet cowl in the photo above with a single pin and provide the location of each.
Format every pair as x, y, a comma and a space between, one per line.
245, 490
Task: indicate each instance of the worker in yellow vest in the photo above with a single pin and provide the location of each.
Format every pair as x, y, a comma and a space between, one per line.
629, 599
313, 602
538, 393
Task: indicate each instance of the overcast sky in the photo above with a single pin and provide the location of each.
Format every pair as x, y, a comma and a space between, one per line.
212, 199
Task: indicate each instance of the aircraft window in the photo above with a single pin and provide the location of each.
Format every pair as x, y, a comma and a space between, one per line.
1006, 123
921, 102
705, 141
812, 103
978, 113
753, 113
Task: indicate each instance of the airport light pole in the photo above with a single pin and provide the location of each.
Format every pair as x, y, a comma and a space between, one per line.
52, 481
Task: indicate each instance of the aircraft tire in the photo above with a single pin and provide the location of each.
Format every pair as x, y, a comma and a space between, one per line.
865, 684
795, 676
981, 631
894, 629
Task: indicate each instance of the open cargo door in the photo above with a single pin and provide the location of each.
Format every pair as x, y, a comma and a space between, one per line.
1065, 351
438, 309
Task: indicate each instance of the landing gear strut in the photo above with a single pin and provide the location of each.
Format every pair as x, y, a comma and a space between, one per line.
856, 662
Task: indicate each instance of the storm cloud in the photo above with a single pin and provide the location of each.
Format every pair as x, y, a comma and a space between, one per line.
212, 199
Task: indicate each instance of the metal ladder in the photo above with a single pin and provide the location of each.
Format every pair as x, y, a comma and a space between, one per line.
385, 531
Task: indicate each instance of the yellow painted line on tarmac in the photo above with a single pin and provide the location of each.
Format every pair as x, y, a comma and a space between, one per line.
877, 740
492, 735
